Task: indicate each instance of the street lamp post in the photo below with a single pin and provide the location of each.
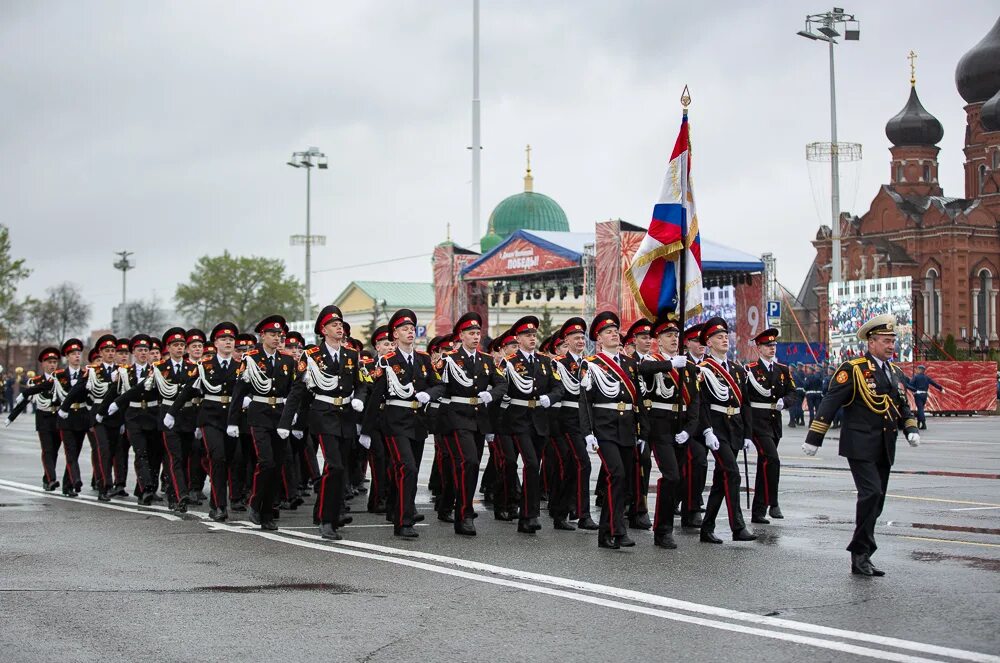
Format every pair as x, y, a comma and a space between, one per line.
826, 25
308, 159
123, 264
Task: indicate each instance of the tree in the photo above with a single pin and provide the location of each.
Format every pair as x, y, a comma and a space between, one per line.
545, 327
39, 323
242, 289
71, 312
144, 316
12, 272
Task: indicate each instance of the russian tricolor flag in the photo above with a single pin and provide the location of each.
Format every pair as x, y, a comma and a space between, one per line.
655, 271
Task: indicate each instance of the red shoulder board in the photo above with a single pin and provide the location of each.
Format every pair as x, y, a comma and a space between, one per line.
751, 364
389, 355
511, 356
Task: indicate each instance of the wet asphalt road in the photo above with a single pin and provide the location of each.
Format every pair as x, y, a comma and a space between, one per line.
82, 581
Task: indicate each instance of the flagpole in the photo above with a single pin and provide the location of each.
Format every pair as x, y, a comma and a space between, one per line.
682, 281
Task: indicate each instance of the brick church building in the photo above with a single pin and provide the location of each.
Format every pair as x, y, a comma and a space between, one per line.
950, 247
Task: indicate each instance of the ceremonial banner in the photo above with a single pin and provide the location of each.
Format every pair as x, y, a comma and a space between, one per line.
655, 270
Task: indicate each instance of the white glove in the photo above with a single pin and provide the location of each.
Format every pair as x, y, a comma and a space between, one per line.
246, 402
18, 400
295, 417
298, 435
63, 414
913, 439
711, 441
197, 433
99, 418
747, 445
591, 443
112, 409
357, 427
641, 444
357, 404
809, 449
233, 431
168, 420
680, 361
544, 401
780, 405
585, 381
423, 398
681, 437
282, 433
944, 391
365, 441
486, 397
490, 437
6, 422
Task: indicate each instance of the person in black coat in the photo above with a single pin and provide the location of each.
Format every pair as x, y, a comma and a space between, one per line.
613, 420
404, 381
38, 390
872, 393
265, 379
726, 426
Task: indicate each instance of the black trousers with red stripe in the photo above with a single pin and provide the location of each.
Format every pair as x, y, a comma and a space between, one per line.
50, 441
561, 467
330, 494
768, 471
148, 448
578, 485
725, 488
309, 471
463, 453
270, 451
505, 487
105, 440
377, 493
223, 454
668, 455
72, 441
120, 447
694, 475
642, 466
530, 447
618, 464
405, 465
442, 480
174, 444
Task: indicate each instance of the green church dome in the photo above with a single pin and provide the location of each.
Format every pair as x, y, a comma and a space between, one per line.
489, 241
524, 211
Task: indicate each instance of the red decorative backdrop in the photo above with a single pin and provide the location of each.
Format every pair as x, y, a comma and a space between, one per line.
969, 385
520, 257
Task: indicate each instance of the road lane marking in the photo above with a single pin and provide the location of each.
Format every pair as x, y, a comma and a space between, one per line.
87, 499
937, 540
938, 499
568, 588
975, 508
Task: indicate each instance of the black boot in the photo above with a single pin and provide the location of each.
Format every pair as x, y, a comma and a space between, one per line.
664, 540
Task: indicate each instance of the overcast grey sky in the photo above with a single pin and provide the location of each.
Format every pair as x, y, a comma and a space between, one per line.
164, 128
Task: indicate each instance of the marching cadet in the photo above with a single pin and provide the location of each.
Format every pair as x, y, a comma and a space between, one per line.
672, 402
872, 392
245, 463
558, 467
920, 385
471, 383
265, 378
99, 381
38, 390
377, 458
404, 382
293, 345
441, 483
695, 468
771, 384
532, 386
120, 452
332, 373
155, 350
138, 398
639, 336
502, 450
195, 462
726, 425
213, 384
74, 422
577, 494
613, 420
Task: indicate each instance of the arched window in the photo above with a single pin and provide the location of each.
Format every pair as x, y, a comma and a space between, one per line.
927, 172
932, 303
899, 173
984, 313
982, 179
996, 160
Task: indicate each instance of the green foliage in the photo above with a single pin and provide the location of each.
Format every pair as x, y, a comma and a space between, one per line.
951, 346
244, 289
545, 325
12, 272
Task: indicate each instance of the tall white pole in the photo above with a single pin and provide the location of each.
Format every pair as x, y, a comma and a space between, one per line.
834, 175
307, 303
476, 147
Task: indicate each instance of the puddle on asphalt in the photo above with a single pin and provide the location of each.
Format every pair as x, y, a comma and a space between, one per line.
278, 587
981, 563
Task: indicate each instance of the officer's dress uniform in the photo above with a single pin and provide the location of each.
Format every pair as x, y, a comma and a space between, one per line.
672, 401
396, 413
465, 423
577, 465
526, 421
330, 379
725, 410
267, 380
873, 397
768, 383
611, 409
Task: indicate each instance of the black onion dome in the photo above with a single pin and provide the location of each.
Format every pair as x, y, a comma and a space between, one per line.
914, 125
989, 116
977, 76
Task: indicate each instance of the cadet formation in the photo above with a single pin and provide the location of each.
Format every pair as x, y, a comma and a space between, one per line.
238, 420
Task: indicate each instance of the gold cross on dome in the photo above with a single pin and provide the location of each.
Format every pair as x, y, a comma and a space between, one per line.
912, 57
527, 151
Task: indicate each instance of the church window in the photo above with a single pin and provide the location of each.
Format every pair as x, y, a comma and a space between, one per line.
996, 160
899, 172
982, 179
985, 318
932, 303
927, 172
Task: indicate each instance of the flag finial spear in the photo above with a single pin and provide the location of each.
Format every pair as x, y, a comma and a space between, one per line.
685, 98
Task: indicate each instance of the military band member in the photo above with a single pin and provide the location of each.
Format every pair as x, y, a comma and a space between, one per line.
872, 392
574, 341
404, 382
771, 385
38, 390
471, 383
672, 400
639, 336
332, 375
532, 387
694, 472
265, 378
613, 420
726, 425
